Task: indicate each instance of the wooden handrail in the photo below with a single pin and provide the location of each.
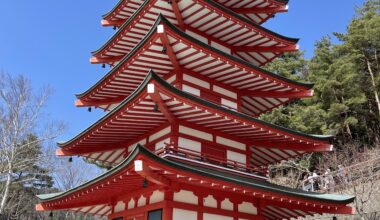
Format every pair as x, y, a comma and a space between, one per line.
169, 149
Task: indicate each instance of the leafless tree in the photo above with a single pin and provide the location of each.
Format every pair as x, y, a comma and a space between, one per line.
20, 116
358, 176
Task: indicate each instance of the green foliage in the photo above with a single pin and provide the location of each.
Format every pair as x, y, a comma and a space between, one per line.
346, 77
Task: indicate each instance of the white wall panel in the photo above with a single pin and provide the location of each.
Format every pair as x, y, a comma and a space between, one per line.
180, 214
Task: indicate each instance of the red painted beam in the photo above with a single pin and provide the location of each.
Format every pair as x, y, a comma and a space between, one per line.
142, 168
267, 10
290, 48
112, 22
178, 14
98, 60
273, 94
292, 146
332, 209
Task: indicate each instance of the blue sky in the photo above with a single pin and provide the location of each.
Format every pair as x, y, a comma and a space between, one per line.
50, 42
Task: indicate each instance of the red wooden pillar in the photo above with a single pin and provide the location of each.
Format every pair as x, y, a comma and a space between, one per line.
201, 196
167, 210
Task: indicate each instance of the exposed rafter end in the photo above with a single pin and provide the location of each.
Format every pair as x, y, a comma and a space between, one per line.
96, 60
81, 103
112, 23
39, 207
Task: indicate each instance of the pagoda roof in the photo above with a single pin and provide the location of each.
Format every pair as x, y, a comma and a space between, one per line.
204, 19
135, 118
125, 180
257, 11
261, 90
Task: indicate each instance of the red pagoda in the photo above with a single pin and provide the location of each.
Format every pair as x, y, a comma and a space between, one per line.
181, 136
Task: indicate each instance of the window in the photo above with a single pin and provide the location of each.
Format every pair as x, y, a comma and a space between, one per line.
155, 215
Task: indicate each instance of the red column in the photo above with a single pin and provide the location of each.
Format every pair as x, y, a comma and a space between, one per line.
167, 211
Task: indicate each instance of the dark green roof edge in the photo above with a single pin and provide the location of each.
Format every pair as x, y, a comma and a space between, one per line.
121, 1
129, 20
211, 2
235, 179
228, 11
152, 75
161, 18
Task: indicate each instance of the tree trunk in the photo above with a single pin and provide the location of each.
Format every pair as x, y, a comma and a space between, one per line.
6, 191
373, 82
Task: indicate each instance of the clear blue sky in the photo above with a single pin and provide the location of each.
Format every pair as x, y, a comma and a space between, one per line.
50, 42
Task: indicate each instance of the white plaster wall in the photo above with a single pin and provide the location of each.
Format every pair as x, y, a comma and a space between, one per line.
208, 216
229, 104
157, 196
230, 143
120, 206
196, 81
160, 134
225, 92
227, 205
247, 207
209, 201
186, 197
189, 144
141, 201
131, 204
191, 90
180, 214
195, 133
236, 157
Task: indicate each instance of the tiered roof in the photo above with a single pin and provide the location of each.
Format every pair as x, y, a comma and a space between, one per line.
277, 202
136, 118
257, 11
186, 75
204, 19
258, 89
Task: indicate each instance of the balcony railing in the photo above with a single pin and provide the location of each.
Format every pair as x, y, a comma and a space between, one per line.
211, 161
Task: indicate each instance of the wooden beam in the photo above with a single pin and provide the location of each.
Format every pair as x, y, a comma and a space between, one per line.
169, 49
292, 146
290, 48
112, 22
267, 10
156, 97
98, 60
332, 209
274, 94
142, 168
178, 14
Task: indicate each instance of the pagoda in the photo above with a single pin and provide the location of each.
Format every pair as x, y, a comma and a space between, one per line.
181, 135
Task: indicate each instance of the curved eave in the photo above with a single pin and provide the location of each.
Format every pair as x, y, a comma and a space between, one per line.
214, 4
118, 5
214, 174
245, 20
163, 83
161, 18
129, 20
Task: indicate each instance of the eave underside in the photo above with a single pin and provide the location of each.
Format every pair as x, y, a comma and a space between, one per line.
258, 90
257, 11
205, 20
137, 117
124, 181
